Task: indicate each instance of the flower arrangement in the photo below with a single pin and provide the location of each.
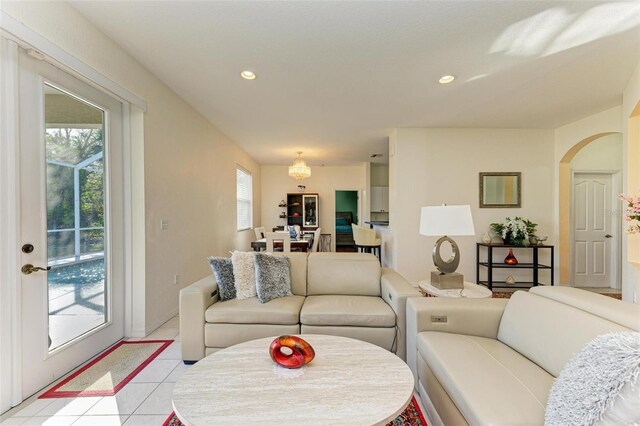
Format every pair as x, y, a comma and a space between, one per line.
515, 231
632, 214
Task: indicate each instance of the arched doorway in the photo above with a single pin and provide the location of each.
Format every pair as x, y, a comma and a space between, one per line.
590, 170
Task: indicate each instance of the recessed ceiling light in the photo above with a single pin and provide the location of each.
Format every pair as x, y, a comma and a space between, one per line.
446, 79
248, 75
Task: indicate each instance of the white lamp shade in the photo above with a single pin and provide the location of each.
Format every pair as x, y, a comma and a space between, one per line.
446, 220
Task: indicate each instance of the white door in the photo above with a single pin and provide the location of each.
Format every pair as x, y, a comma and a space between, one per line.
592, 230
71, 204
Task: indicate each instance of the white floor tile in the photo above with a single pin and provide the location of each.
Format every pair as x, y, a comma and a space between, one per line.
101, 421
163, 334
147, 420
124, 402
32, 409
159, 402
172, 352
177, 338
51, 421
14, 421
69, 406
156, 371
176, 373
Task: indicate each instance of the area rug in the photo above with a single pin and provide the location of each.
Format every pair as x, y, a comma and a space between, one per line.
110, 371
411, 416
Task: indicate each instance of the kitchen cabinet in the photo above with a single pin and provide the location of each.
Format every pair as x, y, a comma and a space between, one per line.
379, 199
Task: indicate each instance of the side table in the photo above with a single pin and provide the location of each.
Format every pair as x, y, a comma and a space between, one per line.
470, 290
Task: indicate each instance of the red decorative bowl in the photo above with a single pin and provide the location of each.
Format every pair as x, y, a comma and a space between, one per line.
301, 351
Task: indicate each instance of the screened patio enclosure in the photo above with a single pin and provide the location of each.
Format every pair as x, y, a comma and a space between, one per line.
75, 199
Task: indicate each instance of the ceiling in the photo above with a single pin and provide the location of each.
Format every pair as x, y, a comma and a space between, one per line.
335, 77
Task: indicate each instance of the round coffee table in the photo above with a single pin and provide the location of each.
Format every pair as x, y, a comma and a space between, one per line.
349, 382
470, 290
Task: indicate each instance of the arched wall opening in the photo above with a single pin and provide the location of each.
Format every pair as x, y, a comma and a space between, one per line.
565, 205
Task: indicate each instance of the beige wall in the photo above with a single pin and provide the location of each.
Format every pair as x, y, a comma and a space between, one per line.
189, 166
604, 153
324, 180
631, 184
435, 166
379, 174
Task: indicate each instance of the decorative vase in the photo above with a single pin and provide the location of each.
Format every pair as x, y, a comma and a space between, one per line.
486, 238
510, 259
510, 280
301, 352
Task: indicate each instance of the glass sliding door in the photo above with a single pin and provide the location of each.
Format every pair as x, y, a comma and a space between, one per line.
71, 222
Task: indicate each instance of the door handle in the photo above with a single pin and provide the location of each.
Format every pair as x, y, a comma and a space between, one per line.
608, 236
29, 269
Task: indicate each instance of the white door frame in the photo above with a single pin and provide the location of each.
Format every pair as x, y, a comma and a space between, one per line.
12, 38
616, 224
10, 225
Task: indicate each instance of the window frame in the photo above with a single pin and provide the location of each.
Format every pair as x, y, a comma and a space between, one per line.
239, 200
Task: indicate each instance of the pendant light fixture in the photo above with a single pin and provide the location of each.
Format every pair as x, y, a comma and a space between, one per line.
299, 169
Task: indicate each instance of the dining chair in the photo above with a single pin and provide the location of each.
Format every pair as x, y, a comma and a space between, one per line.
316, 240
278, 236
259, 232
366, 240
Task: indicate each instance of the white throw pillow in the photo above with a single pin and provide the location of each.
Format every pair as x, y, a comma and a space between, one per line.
599, 384
244, 273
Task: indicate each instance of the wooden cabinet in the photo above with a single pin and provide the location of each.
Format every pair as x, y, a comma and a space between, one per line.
302, 210
379, 199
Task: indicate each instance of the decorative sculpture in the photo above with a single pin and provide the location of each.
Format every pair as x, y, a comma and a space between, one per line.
301, 351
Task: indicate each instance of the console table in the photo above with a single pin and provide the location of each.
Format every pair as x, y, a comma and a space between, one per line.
490, 265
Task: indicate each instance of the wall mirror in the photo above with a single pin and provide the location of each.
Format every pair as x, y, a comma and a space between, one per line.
500, 189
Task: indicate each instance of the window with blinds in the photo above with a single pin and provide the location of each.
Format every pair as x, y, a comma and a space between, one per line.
244, 197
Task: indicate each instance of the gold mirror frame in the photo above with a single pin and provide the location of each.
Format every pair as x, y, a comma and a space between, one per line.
518, 203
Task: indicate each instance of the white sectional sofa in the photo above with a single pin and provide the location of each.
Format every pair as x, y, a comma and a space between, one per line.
342, 294
493, 361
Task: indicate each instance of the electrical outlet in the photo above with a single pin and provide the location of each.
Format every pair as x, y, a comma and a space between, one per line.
164, 224
176, 279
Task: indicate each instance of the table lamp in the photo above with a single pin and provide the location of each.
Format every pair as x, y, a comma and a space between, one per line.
446, 221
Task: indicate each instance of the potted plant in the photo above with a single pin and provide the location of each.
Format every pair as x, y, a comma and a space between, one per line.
515, 231
632, 214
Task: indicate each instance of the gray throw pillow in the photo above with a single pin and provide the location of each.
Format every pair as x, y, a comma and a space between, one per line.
223, 272
273, 277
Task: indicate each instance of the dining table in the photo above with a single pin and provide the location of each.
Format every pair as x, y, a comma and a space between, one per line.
302, 243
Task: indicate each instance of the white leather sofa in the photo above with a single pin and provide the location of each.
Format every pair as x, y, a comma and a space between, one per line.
493, 361
341, 294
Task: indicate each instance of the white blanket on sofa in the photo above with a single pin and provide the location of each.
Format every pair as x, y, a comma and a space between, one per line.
599, 379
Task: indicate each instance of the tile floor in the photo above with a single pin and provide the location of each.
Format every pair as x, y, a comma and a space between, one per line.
145, 400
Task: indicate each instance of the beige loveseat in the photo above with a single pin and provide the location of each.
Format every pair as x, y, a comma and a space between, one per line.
493, 361
341, 294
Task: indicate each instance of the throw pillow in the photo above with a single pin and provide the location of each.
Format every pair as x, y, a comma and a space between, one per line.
244, 273
223, 271
273, 277
599, 384
341, 221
